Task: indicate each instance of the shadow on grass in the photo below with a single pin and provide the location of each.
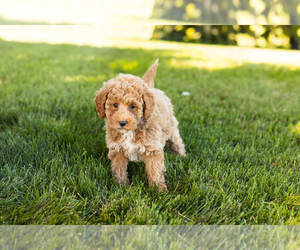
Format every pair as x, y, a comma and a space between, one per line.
8, 119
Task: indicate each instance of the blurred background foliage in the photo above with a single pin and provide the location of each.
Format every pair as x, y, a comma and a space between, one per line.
266, 36
284, 15
229, 11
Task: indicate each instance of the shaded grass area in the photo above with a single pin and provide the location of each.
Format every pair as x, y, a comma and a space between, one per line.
242, 165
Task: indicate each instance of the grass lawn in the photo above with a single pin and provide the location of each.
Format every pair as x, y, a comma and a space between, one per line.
243, 159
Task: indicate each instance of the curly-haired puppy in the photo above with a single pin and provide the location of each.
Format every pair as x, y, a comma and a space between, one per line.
139, 122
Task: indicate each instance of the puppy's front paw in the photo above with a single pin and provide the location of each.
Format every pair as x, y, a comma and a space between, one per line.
123, 182
182, 153
163, 188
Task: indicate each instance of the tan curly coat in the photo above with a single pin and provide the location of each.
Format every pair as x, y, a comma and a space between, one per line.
139, 122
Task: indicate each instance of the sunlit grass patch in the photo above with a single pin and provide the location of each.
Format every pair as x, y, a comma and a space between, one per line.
296, 129
124, 65
205, 64
82, 78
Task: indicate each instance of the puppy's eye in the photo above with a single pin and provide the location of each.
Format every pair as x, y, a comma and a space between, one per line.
116, 105
131, 106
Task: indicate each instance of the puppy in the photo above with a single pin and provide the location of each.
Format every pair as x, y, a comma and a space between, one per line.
139, 122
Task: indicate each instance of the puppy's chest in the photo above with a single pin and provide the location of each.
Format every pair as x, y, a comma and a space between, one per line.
129, 147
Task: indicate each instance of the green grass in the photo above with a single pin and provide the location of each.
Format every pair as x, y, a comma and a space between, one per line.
243, 159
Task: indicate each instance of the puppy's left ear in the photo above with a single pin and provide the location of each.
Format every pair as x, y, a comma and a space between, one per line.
100, 101
150, 74
149, 103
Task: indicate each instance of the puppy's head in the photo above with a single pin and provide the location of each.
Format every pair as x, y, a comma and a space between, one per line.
124, 102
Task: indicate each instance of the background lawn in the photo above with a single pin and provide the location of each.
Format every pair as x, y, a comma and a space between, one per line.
243, 160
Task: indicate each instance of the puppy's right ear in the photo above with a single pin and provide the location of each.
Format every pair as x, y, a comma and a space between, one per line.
100, 100
149, 102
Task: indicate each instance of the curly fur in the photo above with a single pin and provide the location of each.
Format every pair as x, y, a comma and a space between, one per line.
150, 124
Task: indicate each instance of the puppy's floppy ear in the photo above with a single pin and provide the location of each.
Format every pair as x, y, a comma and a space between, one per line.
100, 100
149, 103
150, 74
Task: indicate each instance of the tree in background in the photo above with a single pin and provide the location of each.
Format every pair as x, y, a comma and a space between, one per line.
275, 36
214, 12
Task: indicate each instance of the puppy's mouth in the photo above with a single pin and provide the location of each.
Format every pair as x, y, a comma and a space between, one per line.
123, 130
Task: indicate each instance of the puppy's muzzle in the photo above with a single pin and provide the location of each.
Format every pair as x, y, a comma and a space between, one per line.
123, 123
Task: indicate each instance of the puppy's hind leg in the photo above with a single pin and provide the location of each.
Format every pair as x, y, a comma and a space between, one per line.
175, 144
119, 167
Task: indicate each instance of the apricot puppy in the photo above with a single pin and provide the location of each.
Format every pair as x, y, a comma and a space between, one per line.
139, 122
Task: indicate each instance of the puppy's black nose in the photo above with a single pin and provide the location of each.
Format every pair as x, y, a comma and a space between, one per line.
123, 123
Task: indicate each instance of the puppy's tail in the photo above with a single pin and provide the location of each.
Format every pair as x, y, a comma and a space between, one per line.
150, 74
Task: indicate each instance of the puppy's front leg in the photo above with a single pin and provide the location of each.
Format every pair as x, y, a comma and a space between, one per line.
155, 167
119, 166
